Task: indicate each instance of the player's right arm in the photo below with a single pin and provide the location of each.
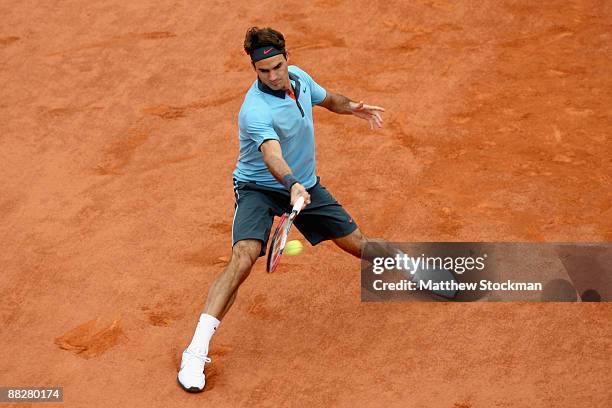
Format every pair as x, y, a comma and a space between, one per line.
273, 158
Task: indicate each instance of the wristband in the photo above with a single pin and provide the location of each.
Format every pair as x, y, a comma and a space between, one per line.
289, 181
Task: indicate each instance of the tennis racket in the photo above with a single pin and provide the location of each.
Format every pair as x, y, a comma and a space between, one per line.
279, 239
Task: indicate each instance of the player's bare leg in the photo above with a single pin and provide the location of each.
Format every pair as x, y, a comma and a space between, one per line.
222, 292
220, 298
228, 305
353, 243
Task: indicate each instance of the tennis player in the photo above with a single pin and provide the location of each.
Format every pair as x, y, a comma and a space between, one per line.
276, 165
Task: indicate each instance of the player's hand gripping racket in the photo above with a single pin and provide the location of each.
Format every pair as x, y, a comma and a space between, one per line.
279, 239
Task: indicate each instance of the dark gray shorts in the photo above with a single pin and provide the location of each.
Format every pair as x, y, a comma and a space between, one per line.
256, 205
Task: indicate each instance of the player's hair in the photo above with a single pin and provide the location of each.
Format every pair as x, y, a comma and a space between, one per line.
260, 37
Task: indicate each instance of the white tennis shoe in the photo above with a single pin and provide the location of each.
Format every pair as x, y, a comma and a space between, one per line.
191, 375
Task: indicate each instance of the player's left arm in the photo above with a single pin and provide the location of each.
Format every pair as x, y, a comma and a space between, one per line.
341, 104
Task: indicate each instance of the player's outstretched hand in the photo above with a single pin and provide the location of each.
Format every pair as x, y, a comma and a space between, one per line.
368, 112
298, 190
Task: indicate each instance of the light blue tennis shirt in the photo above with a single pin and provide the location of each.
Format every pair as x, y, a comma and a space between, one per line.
268, 114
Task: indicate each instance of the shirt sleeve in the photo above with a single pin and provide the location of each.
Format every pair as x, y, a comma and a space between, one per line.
317, 92
257, 125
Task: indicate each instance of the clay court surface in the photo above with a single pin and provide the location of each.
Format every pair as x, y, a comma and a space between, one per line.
118, 139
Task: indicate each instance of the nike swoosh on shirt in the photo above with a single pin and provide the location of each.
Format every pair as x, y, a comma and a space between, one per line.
268, 50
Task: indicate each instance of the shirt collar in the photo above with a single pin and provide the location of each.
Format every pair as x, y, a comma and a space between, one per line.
280, 93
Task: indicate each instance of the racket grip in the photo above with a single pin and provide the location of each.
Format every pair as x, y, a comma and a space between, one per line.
299, 203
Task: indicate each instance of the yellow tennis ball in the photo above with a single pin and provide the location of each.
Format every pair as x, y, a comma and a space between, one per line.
293, 248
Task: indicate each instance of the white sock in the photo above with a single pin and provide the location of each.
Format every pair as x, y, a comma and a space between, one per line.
203, 333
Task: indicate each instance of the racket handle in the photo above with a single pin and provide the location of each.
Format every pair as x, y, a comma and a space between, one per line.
299, 203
